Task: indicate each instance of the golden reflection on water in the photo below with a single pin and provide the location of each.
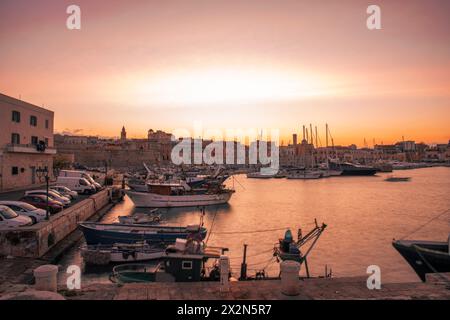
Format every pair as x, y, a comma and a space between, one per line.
363, 215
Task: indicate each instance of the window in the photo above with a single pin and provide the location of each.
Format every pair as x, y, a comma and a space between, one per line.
46, 124
15, 138
15, 171
186, 265
33, 121
37, 199
34, 140
46, 141
16, 116
17, 208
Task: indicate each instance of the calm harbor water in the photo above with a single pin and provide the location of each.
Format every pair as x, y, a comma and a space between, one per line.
363, 215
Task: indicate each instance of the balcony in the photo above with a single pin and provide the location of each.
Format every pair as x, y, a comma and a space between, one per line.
28, 148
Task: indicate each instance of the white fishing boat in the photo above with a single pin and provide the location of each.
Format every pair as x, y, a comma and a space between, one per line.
178, 195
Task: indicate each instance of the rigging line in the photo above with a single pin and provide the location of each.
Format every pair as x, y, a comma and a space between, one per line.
260, 263
253, 231
212, 225
269, 263
238, 182
426, 223
253, 255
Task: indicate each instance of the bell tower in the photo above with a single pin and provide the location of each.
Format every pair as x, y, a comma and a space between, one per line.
123, 135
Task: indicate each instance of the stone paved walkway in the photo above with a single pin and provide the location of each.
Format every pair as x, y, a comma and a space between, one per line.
310, 289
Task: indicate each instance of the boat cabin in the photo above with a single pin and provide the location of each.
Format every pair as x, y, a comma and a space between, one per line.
165, 189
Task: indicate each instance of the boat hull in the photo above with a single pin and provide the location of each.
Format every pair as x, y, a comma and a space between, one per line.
152, 200
348, 169
435, 254
308, 175
151, 235
358, 172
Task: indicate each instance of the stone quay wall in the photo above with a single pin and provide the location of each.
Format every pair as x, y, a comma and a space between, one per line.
36, 240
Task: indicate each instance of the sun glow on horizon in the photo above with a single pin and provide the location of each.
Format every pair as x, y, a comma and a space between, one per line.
228, 86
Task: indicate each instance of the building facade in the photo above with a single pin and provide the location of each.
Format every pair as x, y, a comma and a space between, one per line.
26, 143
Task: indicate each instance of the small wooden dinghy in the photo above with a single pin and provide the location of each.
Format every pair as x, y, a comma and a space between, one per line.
135, 273
397, 179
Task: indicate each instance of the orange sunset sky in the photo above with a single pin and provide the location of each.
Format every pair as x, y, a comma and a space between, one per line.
233, 64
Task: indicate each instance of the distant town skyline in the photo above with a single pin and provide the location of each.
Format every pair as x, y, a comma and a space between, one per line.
260, 64
282, 141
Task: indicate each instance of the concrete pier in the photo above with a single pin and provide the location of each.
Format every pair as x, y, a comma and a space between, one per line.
35, 241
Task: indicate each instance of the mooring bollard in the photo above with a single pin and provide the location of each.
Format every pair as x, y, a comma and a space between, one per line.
224, 263
46, 277
289, 278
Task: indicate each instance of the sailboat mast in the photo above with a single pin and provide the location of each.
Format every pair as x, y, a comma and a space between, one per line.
316, 138
326, 143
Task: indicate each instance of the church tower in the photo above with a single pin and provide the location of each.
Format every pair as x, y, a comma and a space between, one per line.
123, 135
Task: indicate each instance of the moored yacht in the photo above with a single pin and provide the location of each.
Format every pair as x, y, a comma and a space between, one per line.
350, 169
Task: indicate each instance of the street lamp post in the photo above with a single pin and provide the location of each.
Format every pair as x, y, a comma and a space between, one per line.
43, 173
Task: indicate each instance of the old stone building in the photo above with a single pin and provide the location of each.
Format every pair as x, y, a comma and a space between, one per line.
26, 143
118, 153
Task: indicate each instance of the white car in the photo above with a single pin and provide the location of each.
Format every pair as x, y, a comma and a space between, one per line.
25, 209
65, 191
10, 219
55, 195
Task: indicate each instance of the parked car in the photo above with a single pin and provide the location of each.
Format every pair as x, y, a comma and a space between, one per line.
80, 185
80, 174
25, 209
65, 191
40, 201
10, 219
55, 195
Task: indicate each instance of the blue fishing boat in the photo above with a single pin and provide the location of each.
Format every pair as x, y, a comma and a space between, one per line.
101, 233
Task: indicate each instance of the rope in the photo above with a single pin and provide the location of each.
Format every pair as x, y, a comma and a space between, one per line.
425, 224
212, 225
253, 255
